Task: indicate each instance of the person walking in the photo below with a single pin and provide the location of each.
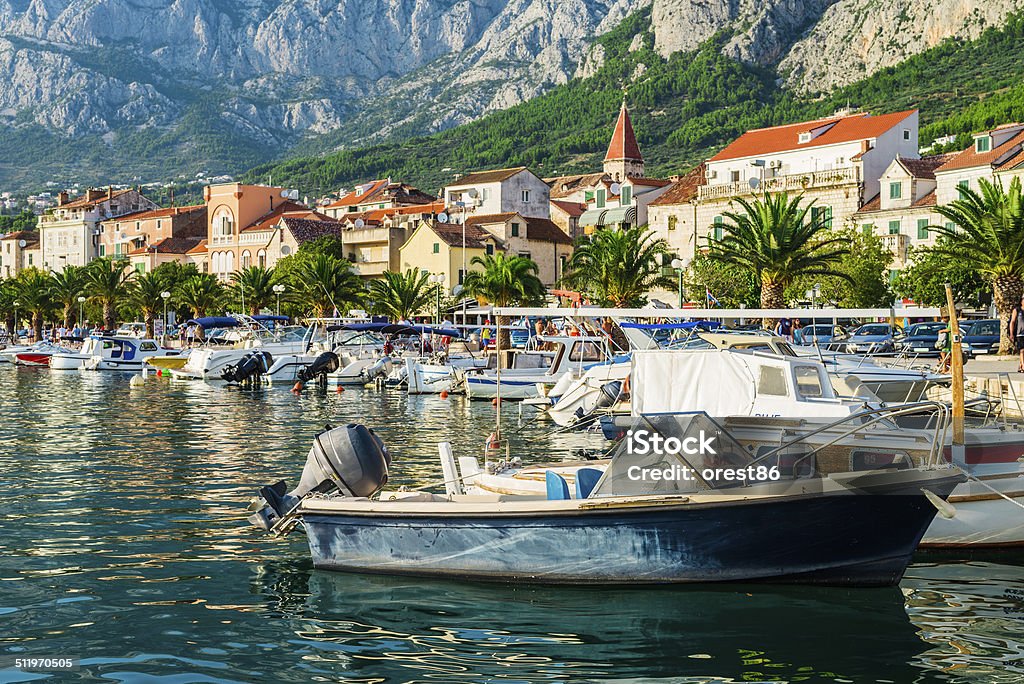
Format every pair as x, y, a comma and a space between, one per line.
1017, 332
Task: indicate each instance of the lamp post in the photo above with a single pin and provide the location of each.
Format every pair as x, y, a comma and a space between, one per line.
81, 315
16, 319
438, 281
278, 290
165, 295
680, 265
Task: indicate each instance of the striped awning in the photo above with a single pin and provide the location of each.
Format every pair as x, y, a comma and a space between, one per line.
592, 217
619, 215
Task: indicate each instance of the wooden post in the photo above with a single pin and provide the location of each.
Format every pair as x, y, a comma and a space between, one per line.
957, 367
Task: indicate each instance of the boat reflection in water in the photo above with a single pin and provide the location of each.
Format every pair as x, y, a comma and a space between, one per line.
415, 629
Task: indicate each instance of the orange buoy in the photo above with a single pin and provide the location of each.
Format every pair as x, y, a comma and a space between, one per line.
297, 387
494, 401
444, 394
159, 373
340, 389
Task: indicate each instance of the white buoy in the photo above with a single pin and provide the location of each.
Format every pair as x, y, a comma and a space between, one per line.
136, 381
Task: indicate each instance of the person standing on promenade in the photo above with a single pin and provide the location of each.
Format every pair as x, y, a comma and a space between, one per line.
1017, 332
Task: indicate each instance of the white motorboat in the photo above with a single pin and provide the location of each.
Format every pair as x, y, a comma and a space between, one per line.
535, 368
113, 353
440, 373
244, 335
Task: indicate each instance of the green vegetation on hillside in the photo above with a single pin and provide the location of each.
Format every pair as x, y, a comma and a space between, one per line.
683, 108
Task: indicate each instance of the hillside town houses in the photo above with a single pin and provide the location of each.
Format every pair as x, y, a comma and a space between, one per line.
861, 171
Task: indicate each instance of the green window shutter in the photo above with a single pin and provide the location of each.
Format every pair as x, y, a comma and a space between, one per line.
867, 228
828, 217
515, 230
963, 185
601, 198
719, 228
437, 248
588, 195
894, 227
490, 248
922, 229
895, 190
627, 196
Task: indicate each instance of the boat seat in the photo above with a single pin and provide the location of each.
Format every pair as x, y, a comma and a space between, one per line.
586, 480
558, 488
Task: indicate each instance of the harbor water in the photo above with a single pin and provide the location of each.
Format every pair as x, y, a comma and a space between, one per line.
123, 544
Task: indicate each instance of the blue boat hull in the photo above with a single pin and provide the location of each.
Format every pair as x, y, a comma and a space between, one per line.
845, 539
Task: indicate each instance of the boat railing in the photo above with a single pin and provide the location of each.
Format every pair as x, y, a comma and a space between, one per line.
867, 418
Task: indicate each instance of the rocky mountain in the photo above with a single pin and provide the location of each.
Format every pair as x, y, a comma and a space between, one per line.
221, 83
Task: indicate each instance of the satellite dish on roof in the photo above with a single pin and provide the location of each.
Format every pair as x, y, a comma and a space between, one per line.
359, 223
615, 188
442, 217
284, 193
472, 192
22, 243
754, 183
293, 194
124, 236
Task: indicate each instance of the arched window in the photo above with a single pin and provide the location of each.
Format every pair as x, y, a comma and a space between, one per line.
261, 258
246, 259
229, 263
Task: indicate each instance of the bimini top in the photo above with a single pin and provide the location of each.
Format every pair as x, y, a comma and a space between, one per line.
395, 329
685, 325
269, 317
214, 322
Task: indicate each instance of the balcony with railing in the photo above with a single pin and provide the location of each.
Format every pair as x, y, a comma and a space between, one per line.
898, 244
371, 268
793, 182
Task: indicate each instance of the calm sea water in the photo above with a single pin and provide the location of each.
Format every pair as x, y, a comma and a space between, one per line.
123, 543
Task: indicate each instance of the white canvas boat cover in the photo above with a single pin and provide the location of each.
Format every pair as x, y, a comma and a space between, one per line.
717, 382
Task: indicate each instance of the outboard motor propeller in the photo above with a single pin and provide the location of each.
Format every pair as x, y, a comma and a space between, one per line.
249, 367
350, 459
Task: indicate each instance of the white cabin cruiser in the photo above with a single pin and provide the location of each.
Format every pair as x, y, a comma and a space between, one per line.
558, 356
110, 353
245, 335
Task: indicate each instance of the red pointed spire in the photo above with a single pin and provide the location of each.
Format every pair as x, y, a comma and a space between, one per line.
623, 144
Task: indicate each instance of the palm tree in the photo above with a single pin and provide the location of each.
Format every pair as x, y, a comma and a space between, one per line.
145, 293
8, 295
66, 287
32, 288
777, 239
107, 284
326, 283
618, 267
401, 295
200, 293
988, 236
254, 287
505, 281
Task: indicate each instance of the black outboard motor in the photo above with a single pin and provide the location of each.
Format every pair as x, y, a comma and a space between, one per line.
328, 362
350, 459
249, 367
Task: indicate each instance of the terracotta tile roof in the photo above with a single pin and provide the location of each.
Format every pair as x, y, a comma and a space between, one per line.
377, 215
649, 182
783, 138
926, 201
925, 166
493, 176
545, 230
26, 235
1000, 156
873, 204
356, 197
562, 186
199, 248
451, 234
170, 245
570, 208
477, 219
83, 201
623, 143
306, 229
270, 219
684, 189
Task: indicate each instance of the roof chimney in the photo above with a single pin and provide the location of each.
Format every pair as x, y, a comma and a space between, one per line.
62, 198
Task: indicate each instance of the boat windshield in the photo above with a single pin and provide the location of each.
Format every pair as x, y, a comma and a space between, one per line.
674, 454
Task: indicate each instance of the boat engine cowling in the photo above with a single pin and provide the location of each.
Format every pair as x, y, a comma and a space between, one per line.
252, 365
350, 459
328, 362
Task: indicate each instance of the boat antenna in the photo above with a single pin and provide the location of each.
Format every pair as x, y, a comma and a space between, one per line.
497, 377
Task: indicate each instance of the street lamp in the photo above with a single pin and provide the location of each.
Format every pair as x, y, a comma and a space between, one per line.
165, 295
438, 280
16, 319
278, 289
680, 265
81, 315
